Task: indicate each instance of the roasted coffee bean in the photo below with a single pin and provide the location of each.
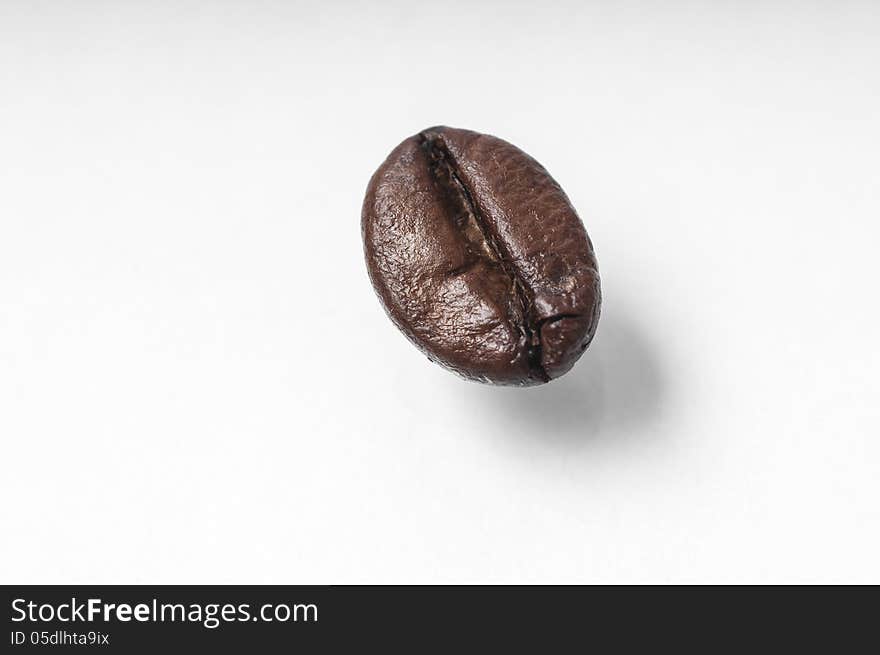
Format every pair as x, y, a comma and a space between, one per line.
479, 258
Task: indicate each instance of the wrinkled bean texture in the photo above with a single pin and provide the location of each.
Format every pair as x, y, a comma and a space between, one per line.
480, 259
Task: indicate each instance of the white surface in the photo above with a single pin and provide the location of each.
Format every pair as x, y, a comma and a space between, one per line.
198, 384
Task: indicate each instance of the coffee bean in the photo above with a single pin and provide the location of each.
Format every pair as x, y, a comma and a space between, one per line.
479, 258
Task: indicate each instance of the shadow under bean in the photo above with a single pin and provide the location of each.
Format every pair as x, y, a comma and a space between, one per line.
614, 391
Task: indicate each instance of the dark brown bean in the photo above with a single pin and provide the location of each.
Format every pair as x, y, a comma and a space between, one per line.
479, 258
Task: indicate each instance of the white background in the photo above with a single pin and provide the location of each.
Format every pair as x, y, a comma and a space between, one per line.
197, 383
